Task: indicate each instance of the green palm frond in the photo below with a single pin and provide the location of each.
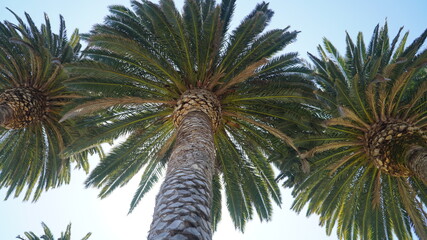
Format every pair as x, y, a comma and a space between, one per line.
32, 57
151, 54
369, 94
49, 236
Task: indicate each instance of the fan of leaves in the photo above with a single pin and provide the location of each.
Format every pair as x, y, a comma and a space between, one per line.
371, 88
30, 157
142, 59
49, 236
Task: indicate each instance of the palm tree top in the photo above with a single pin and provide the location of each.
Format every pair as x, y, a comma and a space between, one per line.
148, 66
375, 96
31, 100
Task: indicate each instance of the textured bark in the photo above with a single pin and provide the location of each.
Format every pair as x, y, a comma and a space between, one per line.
417, 162
6, 114
198, 100
28, 105
183, 204
381, 137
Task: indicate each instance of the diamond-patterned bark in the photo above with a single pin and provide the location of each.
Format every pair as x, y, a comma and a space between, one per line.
381, 139
417, 157
198, 100
27, 105
183, 204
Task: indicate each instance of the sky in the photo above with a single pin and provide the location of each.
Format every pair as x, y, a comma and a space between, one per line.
107, 219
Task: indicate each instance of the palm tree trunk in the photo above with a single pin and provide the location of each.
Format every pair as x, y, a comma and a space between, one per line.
6, 114
183, 204
417, 162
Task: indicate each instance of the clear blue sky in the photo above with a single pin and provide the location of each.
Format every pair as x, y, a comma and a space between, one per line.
107, 219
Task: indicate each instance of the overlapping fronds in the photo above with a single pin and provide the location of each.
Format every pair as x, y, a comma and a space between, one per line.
30, 157
366, 93
47, 235
150, 55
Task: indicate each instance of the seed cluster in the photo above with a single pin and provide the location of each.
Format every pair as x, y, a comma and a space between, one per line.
28, 105
381, 137
198, 100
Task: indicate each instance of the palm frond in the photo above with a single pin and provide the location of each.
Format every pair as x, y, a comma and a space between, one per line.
33, 57
363, 94
141, 61
47, 235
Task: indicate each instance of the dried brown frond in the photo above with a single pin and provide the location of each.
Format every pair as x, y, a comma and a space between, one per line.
396, 88
330, 146
382, 92
376, 198
370, 95
305, 165
214, 80
58, 134
420, 124
345, 123
418, 95
412, 206
52, 78
66, 96
100, 104
248, 72
288, 140
166, 146
347, 113
334, 167
388, 70
380, 78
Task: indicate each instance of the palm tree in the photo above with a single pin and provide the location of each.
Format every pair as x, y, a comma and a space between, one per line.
189, 95
371, 163
49, 236
31, 98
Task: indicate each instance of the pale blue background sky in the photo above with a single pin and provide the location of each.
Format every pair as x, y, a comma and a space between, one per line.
108, 219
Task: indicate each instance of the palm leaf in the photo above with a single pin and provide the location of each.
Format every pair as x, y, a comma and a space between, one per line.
140, 64
362, 94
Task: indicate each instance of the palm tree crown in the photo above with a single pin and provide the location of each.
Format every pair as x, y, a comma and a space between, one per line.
32, 97
371, 163
150, 67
